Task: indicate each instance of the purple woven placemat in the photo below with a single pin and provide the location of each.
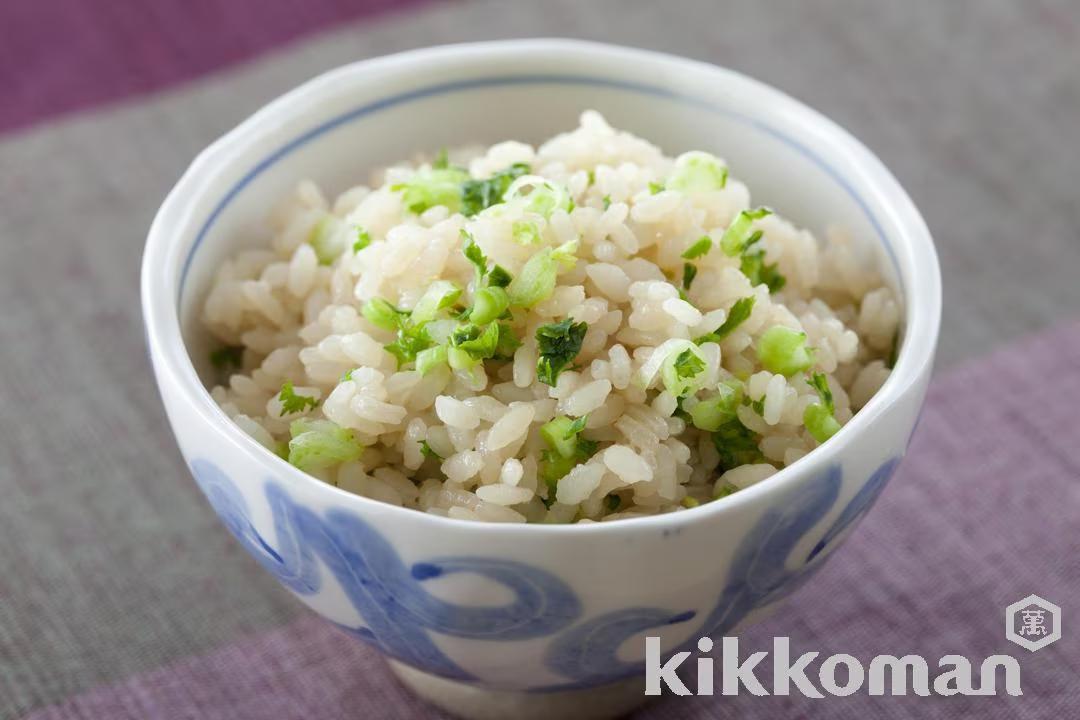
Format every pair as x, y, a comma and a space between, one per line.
62, 55
979, 516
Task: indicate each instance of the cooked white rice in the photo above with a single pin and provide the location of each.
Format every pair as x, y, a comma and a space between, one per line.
466, 443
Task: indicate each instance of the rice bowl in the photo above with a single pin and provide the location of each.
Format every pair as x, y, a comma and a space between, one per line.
587, 330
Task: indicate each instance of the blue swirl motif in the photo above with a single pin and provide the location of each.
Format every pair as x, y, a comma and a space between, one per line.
390, 597
759, 576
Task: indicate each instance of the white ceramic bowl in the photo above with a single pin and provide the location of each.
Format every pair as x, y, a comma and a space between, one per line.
511, 608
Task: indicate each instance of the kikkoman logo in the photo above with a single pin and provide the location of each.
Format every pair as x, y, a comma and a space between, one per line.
885, 675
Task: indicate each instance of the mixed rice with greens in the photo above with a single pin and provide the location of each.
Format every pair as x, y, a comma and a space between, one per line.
587, 330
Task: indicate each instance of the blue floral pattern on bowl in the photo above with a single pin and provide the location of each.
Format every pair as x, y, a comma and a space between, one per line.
399, 613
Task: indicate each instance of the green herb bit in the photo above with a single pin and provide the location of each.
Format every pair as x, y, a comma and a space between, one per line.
736, 444
363, 239
688, 364
566, 449
612, 502
382, 314
479, 343
783, 350
507, 344
711, 413
430, 188
427, 452
439, 295
559, 343
738, 314
820, 418
499, 276
525, 232
537, 278
411, 340
293, 403
698, 172
699, 248
655, 187
754, 267
442, 160
689, 502
489, 304
725, 490
228, 357
477, 195
318, 444
607, 201
689, 272
327, 239
430, 358
738, 233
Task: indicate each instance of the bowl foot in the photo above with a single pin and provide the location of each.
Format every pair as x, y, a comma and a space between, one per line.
470, 702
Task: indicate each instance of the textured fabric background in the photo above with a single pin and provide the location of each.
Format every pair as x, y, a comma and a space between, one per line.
120, 594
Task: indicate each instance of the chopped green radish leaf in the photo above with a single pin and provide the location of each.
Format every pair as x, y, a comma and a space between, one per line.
689, 502
559, 343
318, 444
689, 272
479, 343
439, 295
655, 187
382, 314
783, 350
442, 160
607, 201
736, 444
474, 254
725, 490
699, 248
293, 403
507, 344
363, 239
327, 239
612, 502
820, 418
697, 172
715, 411
680, 365
499, 276
682, 371
566, 448
561, 434
411, 340
536, 281
430, 188
819, 422
754, 267
738, 314
737, 235
489, 304
227, 357
539, 195
430, 358
688, 364
525, 232
477, 195
427, 452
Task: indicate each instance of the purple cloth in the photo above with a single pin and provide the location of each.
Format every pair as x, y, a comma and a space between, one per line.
979, 516
73, 54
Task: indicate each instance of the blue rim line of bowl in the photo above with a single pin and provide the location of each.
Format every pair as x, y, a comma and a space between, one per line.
496, 81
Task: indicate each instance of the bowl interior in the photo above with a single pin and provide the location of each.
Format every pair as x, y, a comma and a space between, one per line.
339, 128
